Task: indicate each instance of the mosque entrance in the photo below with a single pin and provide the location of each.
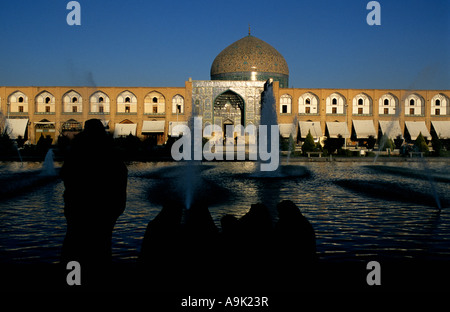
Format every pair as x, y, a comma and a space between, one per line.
229, 110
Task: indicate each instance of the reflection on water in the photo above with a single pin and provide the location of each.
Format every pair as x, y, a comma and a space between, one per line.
349, 225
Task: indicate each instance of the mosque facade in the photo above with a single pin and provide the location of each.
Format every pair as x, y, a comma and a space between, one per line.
231, 97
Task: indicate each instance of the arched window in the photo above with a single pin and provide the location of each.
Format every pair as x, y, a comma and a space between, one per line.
285, 104
336, 103
18, 102
126, 103
177, 104
308, 103
416, 104
362, 104
440, 105
72, 102
99, 103
388, 104
154, 103
45, 103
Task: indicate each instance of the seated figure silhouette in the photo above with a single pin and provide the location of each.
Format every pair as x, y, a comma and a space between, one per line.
162, 237
200, 244
256, 224
95, 183
230, 253
294, 230
255, 248
231, 232
295, 244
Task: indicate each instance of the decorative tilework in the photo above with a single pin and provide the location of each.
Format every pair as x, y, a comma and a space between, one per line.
249, 54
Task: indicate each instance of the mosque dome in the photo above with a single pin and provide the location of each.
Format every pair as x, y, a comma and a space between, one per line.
250, 58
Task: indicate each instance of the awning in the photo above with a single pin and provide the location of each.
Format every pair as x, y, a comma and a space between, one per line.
416, 127
154, 126
16, 127
391, 128
173, 124
364, 129
442, 128
336, 129
307, 126
124, 130
286, 130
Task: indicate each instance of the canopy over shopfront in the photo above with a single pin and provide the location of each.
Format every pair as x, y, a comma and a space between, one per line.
415, 128
16, 127
338, 129
364, 129
391, 128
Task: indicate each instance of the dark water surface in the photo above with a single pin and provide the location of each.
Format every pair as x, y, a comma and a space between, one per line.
351, 224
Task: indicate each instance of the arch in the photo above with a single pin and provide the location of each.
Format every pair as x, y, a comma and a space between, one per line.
154, 103
18, 102
72, 125
362, 104
286, 104
99, 103
308, 103
126, 102
178, 104
45, 103
388, 104
335, 103
440, 105
414, 105
72, 102
229, 105
45, 129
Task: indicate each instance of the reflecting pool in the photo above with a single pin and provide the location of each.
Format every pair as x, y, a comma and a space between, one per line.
351, 223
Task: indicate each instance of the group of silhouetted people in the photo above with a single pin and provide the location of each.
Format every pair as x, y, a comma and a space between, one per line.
249, 251
181, 248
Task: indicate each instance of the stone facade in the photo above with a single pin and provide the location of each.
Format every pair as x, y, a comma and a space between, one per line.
49, 110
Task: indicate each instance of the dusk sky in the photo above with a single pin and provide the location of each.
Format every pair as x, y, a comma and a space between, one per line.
326, 43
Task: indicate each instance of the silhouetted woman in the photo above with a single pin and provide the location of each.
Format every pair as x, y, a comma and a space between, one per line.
95, 183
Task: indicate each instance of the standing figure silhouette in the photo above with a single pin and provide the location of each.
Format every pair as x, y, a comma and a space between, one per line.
95, 183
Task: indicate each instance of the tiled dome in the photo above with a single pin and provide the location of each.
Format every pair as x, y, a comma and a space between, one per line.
246, 56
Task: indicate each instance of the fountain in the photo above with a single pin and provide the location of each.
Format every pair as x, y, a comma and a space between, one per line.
21, 181
269, 119
48, 167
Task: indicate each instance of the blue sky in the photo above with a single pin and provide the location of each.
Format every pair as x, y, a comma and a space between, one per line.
327, 43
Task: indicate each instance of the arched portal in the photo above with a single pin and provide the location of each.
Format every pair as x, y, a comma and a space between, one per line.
229, 108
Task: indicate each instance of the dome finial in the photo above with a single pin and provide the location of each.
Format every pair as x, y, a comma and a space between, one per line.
249, 30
